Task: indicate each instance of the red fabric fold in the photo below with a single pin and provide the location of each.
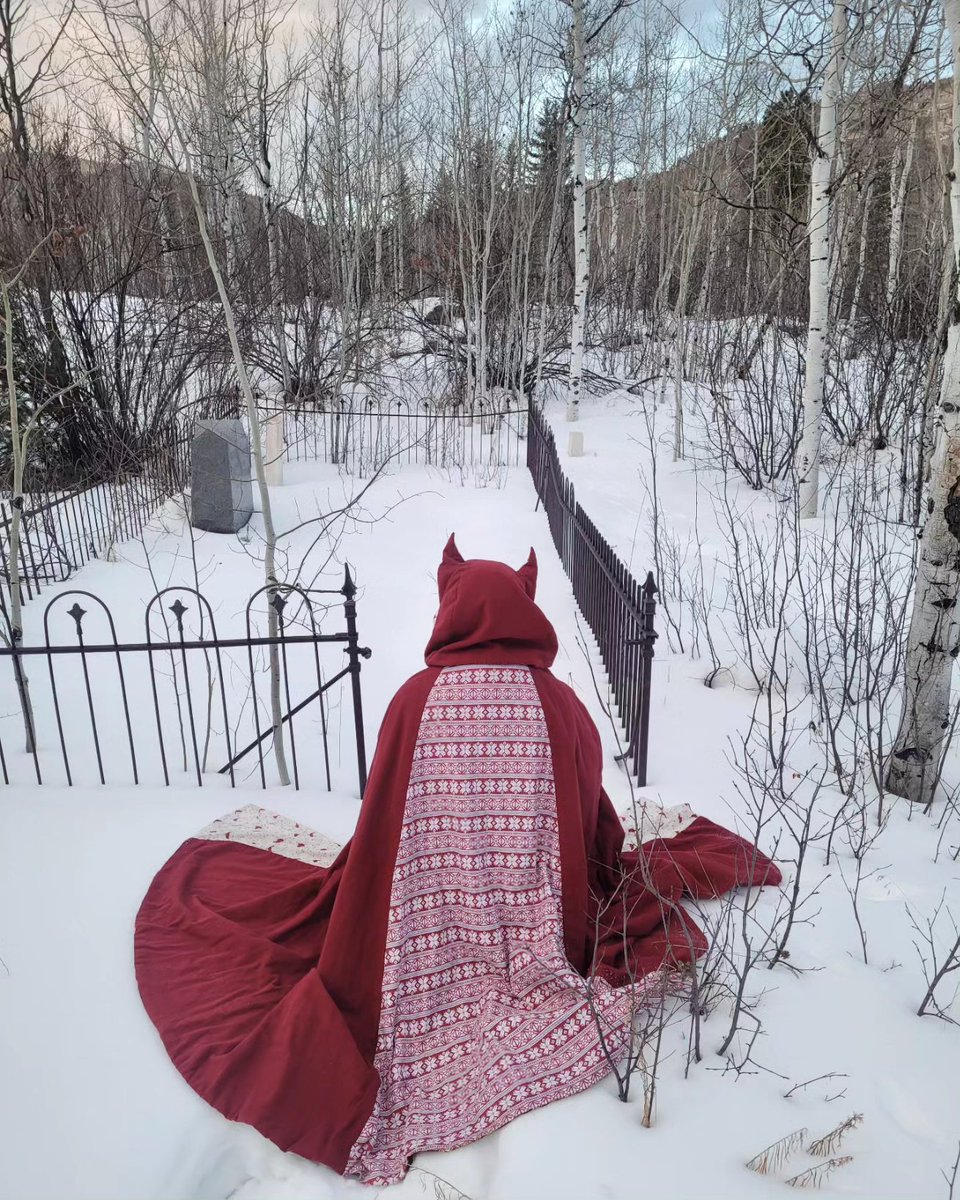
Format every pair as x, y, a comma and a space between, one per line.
262, 974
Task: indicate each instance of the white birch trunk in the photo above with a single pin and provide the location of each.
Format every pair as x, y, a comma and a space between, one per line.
861, 266
246, 391
256, 446
18, 446
399, 233
146, 131
268, 206
228, 210
934, 626
898, 200
306, 202
688, 239
818, 232
578, 320
378, 165
219, 132
548, 271
276, 282
751, 219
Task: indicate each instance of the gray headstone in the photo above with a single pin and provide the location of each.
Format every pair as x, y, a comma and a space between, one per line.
222, 491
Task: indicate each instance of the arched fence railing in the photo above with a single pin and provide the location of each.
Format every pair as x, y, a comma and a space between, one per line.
184, 703
203, 688
619, 611
61, 531
366, 436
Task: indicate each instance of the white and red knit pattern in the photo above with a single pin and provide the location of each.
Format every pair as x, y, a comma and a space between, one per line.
482, 1017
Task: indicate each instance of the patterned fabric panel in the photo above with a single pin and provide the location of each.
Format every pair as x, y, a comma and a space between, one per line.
482, 1017
253, 825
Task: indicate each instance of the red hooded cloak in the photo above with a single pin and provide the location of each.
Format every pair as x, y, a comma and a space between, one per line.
265, 975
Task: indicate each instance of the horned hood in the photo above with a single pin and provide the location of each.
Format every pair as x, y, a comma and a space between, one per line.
488, 616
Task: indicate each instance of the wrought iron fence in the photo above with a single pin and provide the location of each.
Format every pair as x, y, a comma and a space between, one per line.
619, 611
185, 701
363, 437
59, 533
63, 532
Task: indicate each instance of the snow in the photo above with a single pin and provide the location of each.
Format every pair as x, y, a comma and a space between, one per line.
92, 1108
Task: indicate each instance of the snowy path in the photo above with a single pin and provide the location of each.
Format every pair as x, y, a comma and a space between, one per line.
92, 1110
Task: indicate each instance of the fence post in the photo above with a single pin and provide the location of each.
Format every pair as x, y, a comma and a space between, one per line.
355, 652
274, 449
648, 635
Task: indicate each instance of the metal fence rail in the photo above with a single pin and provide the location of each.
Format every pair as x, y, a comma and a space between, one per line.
619, 611
195, 708
183, 702
364, 437
59, 533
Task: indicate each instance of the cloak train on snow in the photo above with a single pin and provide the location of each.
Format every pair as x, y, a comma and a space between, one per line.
477, 948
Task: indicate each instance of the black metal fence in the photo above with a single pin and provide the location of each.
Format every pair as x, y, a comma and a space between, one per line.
204, 698
365, 437
59, 533
619, 611
184, 702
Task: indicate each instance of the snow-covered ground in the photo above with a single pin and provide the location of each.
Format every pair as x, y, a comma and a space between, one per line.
91, 1107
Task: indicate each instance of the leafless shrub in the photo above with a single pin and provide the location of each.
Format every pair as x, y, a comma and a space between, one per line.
440, 1188
829, 1075
861, 837
755, 427
774, 1156
829, 1144
937, 961
815, 1177
951, 1178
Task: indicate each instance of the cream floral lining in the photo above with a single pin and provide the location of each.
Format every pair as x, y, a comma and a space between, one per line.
655, 822
266, 830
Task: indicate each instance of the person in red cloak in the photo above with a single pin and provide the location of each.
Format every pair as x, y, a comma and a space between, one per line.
478, 947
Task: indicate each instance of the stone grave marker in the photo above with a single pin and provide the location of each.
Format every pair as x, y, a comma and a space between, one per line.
221, 499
